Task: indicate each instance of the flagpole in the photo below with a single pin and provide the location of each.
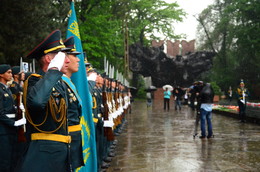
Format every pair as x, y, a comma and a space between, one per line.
105, 59
80, 81
33, 66
21, 64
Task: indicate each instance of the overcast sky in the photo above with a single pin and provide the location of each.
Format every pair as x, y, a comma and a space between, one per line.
189, 24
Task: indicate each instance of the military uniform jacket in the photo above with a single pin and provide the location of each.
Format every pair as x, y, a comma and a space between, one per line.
6, 107
100, 101
74, 115
39, 92
46, 155
15, 89
240, 92
95, 95
91, 85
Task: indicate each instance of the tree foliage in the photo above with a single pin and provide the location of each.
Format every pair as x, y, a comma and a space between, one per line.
104, 24
25, 23
231, 28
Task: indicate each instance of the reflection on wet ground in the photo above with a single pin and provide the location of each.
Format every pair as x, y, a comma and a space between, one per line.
157, 140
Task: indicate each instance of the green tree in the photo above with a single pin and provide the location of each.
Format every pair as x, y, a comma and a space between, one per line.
230, 28
103, 25
146, 17
25, 23
100, 33
247, 49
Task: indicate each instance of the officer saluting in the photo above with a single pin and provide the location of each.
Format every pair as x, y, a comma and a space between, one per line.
46, 109
8, 125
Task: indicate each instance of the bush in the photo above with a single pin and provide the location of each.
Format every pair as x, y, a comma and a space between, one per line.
216, 88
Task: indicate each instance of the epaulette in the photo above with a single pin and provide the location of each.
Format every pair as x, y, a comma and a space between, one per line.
36, 75
12, 85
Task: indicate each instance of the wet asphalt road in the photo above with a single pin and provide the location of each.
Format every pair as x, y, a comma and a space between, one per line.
155, 140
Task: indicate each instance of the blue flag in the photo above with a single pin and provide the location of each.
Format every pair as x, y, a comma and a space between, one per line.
80, 80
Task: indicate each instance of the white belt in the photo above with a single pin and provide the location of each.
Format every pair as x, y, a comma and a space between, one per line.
10, 115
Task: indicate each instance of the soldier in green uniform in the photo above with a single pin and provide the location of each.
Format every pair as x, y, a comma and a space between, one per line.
102, 140
8, 125
18, 76
74, 106
17, 92
45, 101
88, 66
93, 79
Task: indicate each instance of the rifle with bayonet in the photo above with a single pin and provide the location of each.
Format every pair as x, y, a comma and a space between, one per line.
20, 115
108, 132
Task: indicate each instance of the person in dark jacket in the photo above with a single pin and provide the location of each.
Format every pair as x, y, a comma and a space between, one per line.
177, 93
206, 98
8, 125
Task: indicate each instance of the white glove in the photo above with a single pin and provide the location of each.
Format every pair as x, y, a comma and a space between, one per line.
57, 61
92, 76
21, 107
20, 122
242, 101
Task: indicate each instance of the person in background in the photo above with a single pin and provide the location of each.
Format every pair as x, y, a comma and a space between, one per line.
206, 96
242, 95
230, 94
166, 102
148, 99
8, 124
18, 77
192, 95
131, 100
16, 88
198, 89
177, 93
186, 97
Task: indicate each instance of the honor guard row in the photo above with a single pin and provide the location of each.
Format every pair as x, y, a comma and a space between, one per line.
10, 122
110, 105
41, 112
53, 111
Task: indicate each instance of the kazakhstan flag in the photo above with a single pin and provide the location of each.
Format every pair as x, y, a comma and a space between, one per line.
80, 80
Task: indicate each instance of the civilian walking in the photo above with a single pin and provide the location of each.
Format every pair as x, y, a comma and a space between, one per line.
177, 93
167, 96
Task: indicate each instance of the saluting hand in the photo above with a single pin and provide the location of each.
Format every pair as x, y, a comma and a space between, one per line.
57, 61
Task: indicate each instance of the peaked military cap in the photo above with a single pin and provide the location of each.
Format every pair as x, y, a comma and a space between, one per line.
4, 68
51, 44
15, 70
104, 75
87, 64
90, 69
69, 43
241, 81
